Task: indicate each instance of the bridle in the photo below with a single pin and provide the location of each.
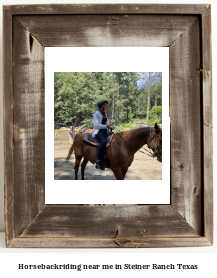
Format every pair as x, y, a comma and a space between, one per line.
156, 149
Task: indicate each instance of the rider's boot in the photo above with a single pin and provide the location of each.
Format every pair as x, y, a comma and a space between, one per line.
98, 165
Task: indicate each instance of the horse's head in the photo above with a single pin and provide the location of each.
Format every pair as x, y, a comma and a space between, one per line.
156, 143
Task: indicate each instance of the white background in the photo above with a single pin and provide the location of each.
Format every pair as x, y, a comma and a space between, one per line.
105, 59
204, 256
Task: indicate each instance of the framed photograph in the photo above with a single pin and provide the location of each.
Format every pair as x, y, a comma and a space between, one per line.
49, 51
74, 89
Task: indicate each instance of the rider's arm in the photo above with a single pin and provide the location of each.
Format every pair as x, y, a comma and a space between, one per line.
96, 122
107, 122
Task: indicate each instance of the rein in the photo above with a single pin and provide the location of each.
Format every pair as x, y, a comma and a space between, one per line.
150, 140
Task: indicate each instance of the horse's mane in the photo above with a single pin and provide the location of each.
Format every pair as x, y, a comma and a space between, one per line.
136, 129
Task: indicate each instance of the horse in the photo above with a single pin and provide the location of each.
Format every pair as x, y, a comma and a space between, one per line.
89, 131
121, 151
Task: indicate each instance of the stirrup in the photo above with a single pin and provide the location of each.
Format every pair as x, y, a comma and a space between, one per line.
99, 166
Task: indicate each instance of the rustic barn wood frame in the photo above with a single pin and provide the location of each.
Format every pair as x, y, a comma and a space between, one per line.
186, 30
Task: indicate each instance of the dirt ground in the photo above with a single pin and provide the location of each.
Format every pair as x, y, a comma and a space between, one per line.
142, 168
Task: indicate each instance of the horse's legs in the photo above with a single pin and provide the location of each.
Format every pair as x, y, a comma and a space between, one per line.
124, 171
83, 165
77, 163
118, 174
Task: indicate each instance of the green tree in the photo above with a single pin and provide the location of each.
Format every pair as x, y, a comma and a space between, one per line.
76, 95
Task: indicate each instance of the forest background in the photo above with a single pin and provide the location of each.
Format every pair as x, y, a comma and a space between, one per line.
132, 96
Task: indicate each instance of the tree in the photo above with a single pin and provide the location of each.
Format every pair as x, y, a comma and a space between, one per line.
130, 95
148, 99
155, 95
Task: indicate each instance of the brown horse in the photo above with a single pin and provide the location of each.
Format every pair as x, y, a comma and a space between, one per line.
121, 151
78, 134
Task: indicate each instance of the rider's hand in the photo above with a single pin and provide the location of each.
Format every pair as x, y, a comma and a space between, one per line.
110, 126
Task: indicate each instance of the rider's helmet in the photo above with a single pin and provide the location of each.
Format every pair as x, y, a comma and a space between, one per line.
100, 103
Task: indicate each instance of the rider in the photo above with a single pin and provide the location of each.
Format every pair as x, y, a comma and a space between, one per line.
100, 126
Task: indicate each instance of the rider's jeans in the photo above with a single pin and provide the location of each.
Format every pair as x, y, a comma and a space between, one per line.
101, 137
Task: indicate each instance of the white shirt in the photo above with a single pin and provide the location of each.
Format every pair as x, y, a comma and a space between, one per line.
97, 120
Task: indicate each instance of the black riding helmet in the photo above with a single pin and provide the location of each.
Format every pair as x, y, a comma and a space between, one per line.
100, 103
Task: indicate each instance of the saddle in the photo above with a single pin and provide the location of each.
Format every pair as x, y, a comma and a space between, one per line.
89, 140
94, 142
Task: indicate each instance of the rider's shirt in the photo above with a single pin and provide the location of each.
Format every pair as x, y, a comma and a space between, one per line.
97, 123
104, 120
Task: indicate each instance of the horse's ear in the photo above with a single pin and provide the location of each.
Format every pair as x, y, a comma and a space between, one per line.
156, 127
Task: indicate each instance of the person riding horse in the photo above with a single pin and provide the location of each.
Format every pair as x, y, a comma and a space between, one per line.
100, 126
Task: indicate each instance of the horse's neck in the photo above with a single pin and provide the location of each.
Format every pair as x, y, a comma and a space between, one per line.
138, 137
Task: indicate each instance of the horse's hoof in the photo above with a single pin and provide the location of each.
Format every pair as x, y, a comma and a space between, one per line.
159, 158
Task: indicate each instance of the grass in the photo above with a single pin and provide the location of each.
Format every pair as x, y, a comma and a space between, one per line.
140, 120
150, 122
124, 126
153, 121
60, 132
129, 126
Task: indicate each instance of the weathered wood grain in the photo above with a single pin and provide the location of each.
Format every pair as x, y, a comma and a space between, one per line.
207, 66
29, 130
186, 29
106, 9
8, 125
207, 118
108, 222
208, 183
185, 117
107, 30
69, 242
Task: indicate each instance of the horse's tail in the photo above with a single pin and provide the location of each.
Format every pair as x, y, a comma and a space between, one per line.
70, 152
72, 148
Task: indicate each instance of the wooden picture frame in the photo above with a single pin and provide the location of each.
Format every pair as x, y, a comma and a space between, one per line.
186, 30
